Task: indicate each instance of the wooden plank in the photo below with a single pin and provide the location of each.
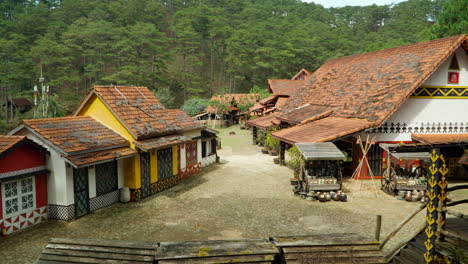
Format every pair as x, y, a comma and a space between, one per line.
182, 261
336, 260
222, 260
101, 249
98, 255
350, 239
330, 248
107, 243
65, 259
196, 249
334, 254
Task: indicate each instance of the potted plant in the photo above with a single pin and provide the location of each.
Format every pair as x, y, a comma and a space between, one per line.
294, 160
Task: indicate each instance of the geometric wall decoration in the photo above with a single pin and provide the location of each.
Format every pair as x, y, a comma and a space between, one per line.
105, 200
422, 128
443, 92
18, 222
208, 160
61, 212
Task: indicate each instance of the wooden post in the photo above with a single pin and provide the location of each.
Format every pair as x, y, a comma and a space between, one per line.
254, 135
378, 227
281, 154
432, 205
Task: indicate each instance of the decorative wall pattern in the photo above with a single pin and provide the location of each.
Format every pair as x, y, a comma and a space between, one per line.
61, 212
15, 223
423, 128
190, 170
104, 200
208, 160
446, 92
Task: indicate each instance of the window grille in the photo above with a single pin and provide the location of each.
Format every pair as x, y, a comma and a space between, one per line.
106, 178
18, 196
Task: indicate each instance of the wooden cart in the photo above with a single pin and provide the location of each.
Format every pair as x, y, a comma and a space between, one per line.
398, 177
320, 169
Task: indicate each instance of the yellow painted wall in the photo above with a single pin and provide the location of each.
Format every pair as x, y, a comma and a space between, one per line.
99, 111
95, 108
154, 166
175, 167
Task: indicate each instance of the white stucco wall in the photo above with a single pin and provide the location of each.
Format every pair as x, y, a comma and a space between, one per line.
432, 112
440, 76
59, 180
120, 174
92, 181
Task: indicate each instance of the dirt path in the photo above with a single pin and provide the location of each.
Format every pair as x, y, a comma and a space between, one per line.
245, 196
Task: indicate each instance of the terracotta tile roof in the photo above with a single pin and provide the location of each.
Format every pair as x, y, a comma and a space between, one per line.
93, 158
299, 114
372, 85
281, 102
256, 107
322, 130
6, 142
161, 142
301, 75
226, 99
284, 86
142, 113
440, 138
264, 121
76, 135
270, 99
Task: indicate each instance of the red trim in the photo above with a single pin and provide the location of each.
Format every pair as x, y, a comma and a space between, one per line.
41, 190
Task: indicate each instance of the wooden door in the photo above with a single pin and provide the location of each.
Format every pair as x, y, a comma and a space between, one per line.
81, 191
191, 154
145, 174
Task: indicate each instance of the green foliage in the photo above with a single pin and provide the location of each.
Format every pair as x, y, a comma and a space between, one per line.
453, 20
165, 96
263, 92
294, 159
272, 142
197, 48
195, 105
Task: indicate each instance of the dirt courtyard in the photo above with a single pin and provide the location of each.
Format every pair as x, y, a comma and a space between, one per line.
245, 196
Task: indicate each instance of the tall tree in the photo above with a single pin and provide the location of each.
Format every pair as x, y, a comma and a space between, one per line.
453, 19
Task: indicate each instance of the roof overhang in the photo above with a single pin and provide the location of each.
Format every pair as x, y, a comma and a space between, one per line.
98, 157
161, 142
320, 151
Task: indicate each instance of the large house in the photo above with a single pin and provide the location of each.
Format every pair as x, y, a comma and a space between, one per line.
394, 95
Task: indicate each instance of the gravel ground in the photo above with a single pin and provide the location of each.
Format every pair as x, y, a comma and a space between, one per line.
245, 196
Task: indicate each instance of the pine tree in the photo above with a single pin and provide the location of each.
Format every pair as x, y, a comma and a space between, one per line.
453, 20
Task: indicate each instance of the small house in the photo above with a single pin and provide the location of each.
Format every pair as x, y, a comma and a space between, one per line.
228, 109
23, 183
85, 164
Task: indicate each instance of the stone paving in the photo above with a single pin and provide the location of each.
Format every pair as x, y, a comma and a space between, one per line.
245, 196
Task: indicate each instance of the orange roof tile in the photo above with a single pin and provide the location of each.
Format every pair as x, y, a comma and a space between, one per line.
270, 99
284, 86
161, 142
6, 142
75, 135
94, 158
142, 113
299, 114
372, 85
301, 75
264, 121
226, 99
440, 138
281, 102
257, 106
322, 130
